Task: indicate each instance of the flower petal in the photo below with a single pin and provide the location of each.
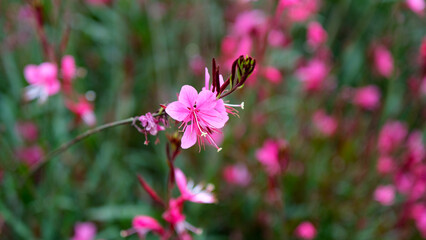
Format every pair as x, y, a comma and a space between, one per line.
31, 74
189, 137
48, 70
206, 100
188, 96
181, 182
213, 119
178, 111
207, 80
203, 197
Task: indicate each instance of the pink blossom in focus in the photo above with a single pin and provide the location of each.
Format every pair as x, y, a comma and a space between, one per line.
269, 156
192, 193
84, 231
383, 61
306, 230
237, 174
325, 124
391, 136
385, 165
367, 97
84, 110
316, 35
273, 75
313, 75
144, 224
27, 130
201, 115
385, 195
43, 81
30, 155
417, 6
68, 67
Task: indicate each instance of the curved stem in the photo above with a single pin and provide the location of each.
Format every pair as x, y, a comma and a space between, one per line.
80, 137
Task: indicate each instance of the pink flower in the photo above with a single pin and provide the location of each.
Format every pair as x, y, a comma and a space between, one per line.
316, 35
269, 156
174, 216
325, 124
84, 110
276, 38
385, 165
385, 195
192, 193
391, 136
416, 148
383, 61
196, 64
30, 155
421, 224
237, 174
84, 231
313, 75
301, 10
367, 97
43, 81
273, 75
68, 67
144, 224
417, 6
201, 115
249, 22
28, 130
306, 230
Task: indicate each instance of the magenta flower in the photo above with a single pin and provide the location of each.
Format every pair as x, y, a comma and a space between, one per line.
383, 61
416, 149
84, 111
269, 156
417, 6
273, 75
316, 35
313, 75
84, 231
391, 136
306, 230
325, 124
144, 224
192, 193
276, 38
43, 81
302, 10
237, 174
385, 165
201, 115
68, 68
367, 97
385, 195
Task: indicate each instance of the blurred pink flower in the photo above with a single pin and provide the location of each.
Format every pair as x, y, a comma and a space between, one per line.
325, 124
144, 224
276, 38
84, 231
403, 182
385, 165
27, 130
313, 74
68, 68
423, 86
385, 195
416, 148
391, 136
421, 224
43, 81
417, 6
269, 156
201, 115
250, 22
196, 64
273, 75
84, 110
316, 35
383, 61
192, 193
30, 155
301, 10
306, 230
174, 216
367, 97
237, 174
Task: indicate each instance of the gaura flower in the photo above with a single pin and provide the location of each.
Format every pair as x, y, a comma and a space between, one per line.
385, 195
306, 230
192, 193
43, 81
84, 231
201, 115
84, 111
144, 224
383, 61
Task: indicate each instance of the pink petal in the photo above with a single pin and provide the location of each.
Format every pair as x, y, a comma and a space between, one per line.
188, 96
206, 100
52, 86
207, 79
31, 74
181, 181
189, 137
69, 69
48, 70
203, 198
143, 224
178, 111
213, 118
